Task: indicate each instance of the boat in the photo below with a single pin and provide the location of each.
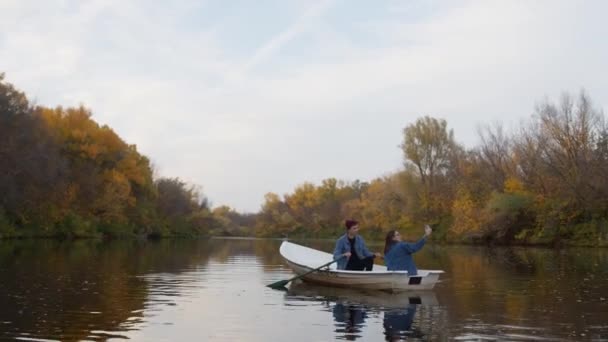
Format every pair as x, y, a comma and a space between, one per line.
303, 259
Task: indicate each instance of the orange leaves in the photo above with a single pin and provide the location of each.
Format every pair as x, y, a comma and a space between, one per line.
114, 198
102, 164
466, 214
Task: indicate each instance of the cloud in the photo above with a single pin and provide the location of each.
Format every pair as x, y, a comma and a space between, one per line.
302, 24
323, 91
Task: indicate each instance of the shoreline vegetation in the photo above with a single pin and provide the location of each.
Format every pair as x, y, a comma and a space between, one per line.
544, 183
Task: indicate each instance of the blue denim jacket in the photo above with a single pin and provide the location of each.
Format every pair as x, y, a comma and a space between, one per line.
343, 246
399, 256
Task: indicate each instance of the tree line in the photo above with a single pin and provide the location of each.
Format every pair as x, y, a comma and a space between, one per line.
64, 175
541, 183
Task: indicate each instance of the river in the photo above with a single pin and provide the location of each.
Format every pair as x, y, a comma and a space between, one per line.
214, 290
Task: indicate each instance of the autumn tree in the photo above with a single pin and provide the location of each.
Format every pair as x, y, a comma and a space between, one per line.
63, 174
33, 173
430, 147
274, 217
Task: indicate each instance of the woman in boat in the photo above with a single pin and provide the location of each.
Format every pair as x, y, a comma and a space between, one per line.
398, 254
352, 247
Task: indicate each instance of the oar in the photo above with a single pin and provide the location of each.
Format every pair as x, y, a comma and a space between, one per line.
281, 283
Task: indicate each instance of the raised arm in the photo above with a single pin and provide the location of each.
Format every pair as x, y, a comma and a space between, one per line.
415, 247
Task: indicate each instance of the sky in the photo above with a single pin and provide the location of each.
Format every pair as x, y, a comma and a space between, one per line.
248, 97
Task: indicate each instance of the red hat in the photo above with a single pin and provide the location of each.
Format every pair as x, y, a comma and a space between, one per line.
350, 223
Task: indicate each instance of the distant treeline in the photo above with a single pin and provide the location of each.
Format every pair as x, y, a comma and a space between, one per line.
542, 183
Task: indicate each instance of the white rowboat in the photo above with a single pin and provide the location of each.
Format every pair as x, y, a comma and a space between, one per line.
303, 259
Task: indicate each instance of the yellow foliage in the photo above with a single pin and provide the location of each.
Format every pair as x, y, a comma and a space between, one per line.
115, 197
514, 186
465, 214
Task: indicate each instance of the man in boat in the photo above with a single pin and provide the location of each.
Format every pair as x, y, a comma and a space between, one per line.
352, 247
398, 254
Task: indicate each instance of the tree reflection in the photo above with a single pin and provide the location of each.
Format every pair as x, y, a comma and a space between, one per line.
82, 289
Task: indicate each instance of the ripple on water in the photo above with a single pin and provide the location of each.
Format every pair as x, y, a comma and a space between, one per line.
498, 332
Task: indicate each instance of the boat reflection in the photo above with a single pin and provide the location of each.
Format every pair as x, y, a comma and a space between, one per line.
373, 298
351, 308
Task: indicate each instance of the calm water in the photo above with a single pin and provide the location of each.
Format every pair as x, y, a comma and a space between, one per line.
214, 290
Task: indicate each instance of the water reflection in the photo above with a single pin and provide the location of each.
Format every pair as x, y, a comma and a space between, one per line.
378, 299
349, 320
180, 290
351, 308
82, 289
398, 324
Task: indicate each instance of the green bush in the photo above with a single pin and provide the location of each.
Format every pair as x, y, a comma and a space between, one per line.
591, 233
116, 230
7, 230
75, 226
506, 215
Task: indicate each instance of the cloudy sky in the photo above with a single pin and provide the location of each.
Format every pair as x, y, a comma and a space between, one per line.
248, 97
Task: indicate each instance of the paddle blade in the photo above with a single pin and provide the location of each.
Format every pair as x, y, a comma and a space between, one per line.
279, 284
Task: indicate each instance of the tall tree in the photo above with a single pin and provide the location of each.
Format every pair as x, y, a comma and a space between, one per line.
429, 146
32, 171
